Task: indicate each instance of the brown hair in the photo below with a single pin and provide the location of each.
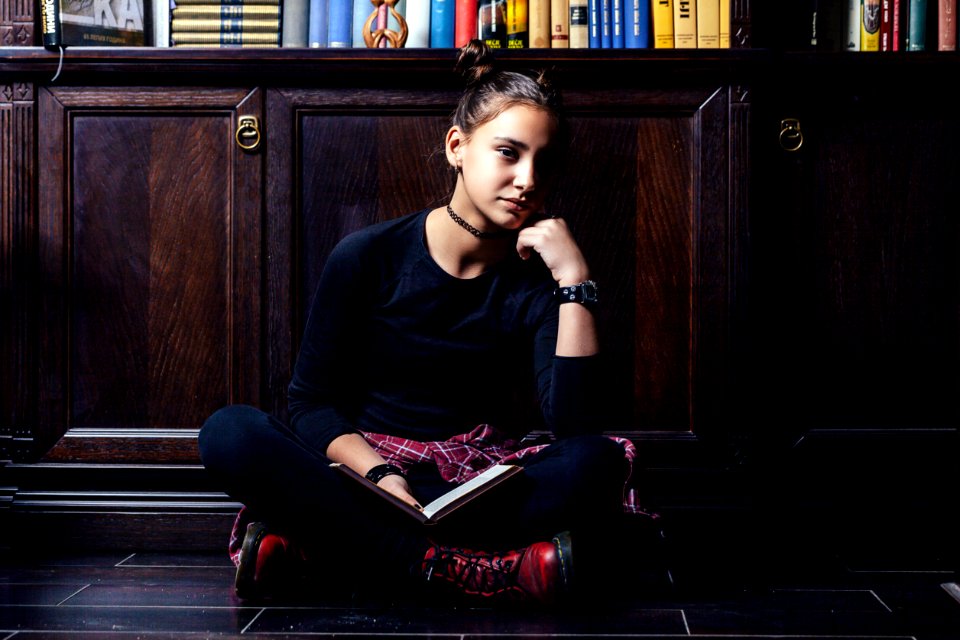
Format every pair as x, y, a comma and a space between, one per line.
491, 90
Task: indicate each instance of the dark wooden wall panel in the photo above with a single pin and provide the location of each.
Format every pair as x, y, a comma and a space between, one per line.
150, 246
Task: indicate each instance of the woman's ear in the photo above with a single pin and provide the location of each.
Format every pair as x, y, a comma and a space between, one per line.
453, 145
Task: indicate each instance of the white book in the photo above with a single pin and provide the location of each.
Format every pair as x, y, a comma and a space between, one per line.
161, 23
296, 23
418, 23
852, 24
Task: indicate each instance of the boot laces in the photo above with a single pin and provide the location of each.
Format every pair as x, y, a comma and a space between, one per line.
481, 573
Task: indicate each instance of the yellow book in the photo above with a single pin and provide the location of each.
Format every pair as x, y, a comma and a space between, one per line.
227, 11
708, 24
662, 19
870, 25
724, 24
226, 25
538, 14
685, 24
518, 30
560, 24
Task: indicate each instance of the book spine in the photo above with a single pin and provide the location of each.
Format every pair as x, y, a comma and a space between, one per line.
317, 30
917, 25
560, 24
517, 32
234, 12
216, 3
896, 33
443, 16
50, 24
579, 24
708, 24
161, 23
606, 24
886, 26
538, 14
853, 25
617, 36
226, 25
417, 15
223, 38
340, 24
492, 20
296, 21
662, 17
870, 25
631, 32
465, 22
946, 25
593, 8
685, 24
724, 42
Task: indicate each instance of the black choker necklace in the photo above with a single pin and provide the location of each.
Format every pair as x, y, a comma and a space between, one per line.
473, 230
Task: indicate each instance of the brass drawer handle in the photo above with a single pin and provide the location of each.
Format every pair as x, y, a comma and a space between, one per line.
248, 133
791, 138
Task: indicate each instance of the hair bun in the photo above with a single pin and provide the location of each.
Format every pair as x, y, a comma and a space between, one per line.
474, 62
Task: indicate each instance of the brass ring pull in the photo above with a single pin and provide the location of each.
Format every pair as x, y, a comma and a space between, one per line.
791, 138
248, 133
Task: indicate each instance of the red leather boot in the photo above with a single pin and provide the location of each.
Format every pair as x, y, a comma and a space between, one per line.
541, 573
269, 564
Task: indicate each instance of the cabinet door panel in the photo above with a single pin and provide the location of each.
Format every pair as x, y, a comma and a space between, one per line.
645, 190
149, 246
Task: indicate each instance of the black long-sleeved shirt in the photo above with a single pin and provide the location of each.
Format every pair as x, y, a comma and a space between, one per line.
393, 344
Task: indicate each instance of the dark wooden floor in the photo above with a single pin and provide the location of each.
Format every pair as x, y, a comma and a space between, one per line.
190, 595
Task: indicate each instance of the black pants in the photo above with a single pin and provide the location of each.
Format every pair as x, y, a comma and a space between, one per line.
575, 484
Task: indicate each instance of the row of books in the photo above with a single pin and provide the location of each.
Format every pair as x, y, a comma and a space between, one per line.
423, 23
879, 25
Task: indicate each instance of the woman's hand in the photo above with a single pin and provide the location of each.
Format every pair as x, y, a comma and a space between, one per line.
552, 240
398, 486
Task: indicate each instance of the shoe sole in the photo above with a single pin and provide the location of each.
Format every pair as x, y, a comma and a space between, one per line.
245, 581
564, 544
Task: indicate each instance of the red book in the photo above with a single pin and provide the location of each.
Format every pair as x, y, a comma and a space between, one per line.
947, 25
886, 25
465, 22
895, 31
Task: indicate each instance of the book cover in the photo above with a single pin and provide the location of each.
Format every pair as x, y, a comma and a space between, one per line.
492, 22
52, 37
946, 25
465, 22
226, 25
560, 24
443, 17
110, 23
637, 28
226, 3
579, 24
161, 22
446, 504
617, 36
296, 22
725, 24
662, 18
870, 25
417, 15
538, 15
916, 25
317, 30
340, 24
217, 12
685, 24
852, 23
517, 32
708, 24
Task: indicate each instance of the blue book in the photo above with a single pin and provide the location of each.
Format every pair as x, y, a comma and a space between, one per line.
340, 24
617, 35
317, 30
594, 24
606, 23
442, 22
637, 31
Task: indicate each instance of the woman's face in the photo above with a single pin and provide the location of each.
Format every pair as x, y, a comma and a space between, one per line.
506, 166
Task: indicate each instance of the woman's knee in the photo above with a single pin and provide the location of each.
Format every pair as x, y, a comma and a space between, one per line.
226, 429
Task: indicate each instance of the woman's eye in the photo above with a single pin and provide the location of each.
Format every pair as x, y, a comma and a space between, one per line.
507, 152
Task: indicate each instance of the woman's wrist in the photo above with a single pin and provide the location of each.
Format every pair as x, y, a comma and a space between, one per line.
377, 473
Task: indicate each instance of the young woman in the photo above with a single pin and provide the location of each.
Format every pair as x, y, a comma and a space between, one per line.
424, 335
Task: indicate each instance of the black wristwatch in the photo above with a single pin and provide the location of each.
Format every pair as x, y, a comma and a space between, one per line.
381, 471
585, 293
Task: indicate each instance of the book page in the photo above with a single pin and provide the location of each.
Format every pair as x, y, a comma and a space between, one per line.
467, 488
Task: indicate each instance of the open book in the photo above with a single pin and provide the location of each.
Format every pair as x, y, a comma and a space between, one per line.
448, 502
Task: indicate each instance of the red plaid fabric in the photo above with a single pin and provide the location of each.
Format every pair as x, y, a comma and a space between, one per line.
458, 459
